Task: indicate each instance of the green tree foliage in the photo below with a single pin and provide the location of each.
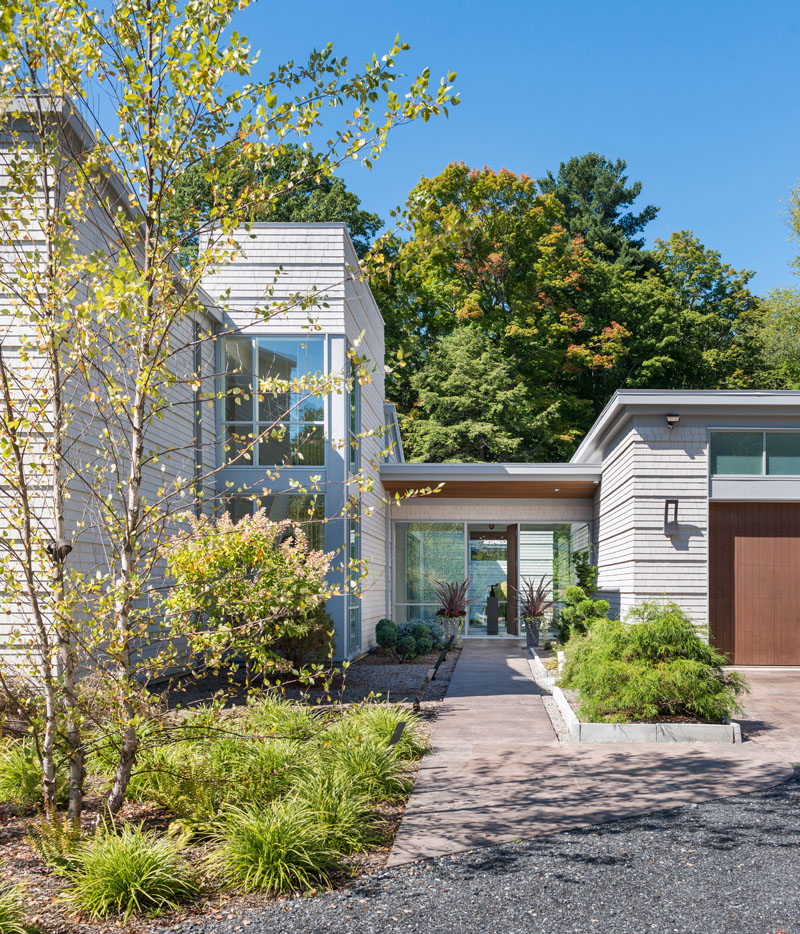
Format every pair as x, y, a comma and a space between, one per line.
513, 314
782, 326
293, 185
598, 205
470, 404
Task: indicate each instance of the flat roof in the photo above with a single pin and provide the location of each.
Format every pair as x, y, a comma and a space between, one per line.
502, 481
626, 401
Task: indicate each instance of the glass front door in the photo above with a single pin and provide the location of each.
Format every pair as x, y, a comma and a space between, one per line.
488, 580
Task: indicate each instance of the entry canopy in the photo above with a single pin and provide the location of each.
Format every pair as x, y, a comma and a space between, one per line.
494, 481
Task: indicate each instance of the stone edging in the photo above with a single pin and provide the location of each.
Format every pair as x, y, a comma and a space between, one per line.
633, 732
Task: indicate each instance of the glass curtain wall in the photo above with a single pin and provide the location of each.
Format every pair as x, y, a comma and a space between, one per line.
427, 552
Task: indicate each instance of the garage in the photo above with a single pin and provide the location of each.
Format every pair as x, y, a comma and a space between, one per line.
754, 582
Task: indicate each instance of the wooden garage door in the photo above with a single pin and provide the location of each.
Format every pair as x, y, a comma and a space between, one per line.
754, 585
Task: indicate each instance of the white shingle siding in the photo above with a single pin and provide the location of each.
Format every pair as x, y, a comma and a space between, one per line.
362, 315
642, 467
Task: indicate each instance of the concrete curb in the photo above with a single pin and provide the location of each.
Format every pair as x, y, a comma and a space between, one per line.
634, 732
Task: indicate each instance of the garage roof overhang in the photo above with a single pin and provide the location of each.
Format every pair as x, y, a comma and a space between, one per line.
494, 481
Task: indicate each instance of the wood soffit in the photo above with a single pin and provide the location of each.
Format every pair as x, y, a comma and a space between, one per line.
501, 489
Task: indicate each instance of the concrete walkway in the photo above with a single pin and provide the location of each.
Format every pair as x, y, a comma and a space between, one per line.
497, 773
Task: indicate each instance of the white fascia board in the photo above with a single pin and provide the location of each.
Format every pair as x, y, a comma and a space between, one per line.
626, 402
440, 473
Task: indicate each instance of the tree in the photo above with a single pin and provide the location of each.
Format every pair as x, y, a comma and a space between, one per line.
103, 335
782, 324
470, 404
297, 185
567, 307
488, 249
597, 199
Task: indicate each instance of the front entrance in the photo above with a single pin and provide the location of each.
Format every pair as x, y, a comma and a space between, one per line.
495, 557
492, 564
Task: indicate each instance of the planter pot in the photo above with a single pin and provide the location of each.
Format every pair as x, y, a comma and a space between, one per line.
532, 633
453, 626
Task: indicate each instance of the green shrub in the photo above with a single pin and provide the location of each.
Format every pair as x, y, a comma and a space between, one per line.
21, 776
386, 633
585, 572
378, 721
579, 613
422, 638
12, 911
276, 716
381, 773
283, 847
314, 643
653, 665
130, 871
407, 646
344, 812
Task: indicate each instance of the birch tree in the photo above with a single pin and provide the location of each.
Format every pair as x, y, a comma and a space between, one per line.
155, 89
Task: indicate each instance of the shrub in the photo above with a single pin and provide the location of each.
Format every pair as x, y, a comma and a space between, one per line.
378, 721
436, 631
314, 641
12, 911
343, 811
386, 633
130, 871
424, 645
21, 776
283, 847
585, 572
579, 613
407, 646
240, 588
654, 665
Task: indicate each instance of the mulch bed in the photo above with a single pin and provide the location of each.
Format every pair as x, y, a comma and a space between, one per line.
373, 675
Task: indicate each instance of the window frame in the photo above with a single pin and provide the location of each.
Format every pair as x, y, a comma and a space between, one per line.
255, 426
764, 474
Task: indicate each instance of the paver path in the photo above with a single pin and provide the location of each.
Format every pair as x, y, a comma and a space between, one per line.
497, 772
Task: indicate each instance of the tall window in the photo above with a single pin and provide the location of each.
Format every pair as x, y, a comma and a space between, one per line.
354, 573
294, 419
755, 453
354, 419
307, 512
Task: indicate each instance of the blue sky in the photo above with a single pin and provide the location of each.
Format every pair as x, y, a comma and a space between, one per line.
700, 98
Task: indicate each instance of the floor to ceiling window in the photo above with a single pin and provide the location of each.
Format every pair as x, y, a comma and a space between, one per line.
425, 553
495, 557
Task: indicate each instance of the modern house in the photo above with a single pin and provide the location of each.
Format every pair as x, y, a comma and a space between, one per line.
679, 495
685, 496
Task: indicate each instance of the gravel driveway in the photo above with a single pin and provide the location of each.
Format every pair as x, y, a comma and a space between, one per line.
730, 866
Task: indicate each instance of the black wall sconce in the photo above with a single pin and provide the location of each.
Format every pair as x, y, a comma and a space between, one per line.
670, 517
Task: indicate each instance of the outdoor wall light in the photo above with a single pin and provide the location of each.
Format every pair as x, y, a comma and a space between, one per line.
672, 421
670, 517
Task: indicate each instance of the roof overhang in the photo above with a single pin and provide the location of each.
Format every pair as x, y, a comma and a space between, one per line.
628, 402
493, 481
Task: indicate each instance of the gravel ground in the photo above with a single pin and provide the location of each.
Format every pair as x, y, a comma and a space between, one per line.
727, 867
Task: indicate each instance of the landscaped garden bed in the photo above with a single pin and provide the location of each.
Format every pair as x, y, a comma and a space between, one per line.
649, 679
238, 806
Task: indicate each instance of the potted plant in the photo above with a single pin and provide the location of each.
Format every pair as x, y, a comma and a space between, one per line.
534, 601
454, 602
